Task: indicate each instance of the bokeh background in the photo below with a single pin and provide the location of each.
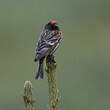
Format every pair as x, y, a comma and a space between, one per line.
83, 59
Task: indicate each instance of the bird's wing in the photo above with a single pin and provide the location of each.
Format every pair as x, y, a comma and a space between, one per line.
53, 37
46, 42
56, 45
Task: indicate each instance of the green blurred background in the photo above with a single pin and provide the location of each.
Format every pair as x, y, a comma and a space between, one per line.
83, 59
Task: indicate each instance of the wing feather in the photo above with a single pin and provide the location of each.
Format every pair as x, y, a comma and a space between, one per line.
46, 40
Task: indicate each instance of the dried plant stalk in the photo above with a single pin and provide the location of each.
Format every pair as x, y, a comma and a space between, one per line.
28, 100
51, 75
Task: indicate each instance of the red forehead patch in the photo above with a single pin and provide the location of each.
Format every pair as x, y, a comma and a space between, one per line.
53, 22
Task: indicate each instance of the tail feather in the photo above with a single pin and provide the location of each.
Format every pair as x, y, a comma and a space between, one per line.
37, 76
40, 72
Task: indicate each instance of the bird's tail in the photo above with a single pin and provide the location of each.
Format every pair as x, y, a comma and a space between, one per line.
40, 72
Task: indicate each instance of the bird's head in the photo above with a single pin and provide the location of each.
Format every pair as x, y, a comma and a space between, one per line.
52, 25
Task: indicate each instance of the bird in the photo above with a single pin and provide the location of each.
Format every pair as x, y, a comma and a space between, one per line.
48, 42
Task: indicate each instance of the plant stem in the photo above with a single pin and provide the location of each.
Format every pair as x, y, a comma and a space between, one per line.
51, 74
28, 100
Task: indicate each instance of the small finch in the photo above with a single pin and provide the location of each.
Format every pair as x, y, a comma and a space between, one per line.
48, 43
